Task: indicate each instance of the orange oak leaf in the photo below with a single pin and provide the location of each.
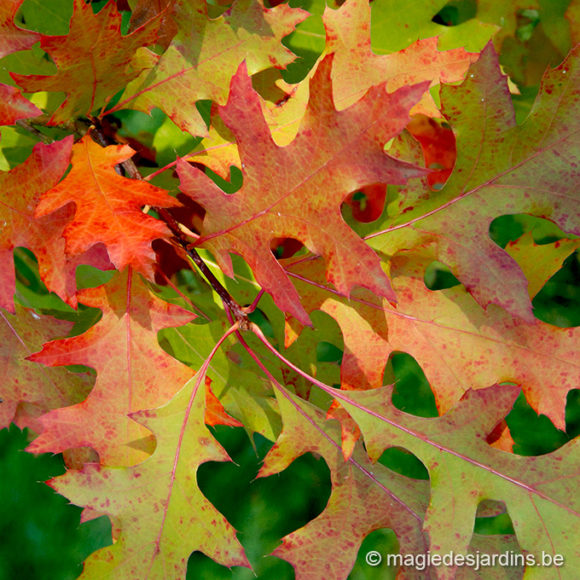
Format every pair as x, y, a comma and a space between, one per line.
361, 319
215, 414
12, 37
27, 390
206, 53
133, 372
159, 513
20, 190
93, 60
356, 68
108, 207
297, 191
14, 106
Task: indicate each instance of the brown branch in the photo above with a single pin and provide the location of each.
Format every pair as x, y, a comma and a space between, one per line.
236, 310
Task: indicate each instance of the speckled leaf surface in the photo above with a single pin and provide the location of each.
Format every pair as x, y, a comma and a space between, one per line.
464, 469
205, 54
356, 68
133, 373
334, 154
299, 205
364, 497
460, 345
501, 168
29, 390
158, 509
93, 54
20, 190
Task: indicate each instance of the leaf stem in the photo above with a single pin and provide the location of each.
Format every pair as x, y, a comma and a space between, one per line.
350, 460
27, 126
160, 170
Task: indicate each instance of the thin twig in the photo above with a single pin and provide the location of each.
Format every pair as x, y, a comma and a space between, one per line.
229, 302
27, 126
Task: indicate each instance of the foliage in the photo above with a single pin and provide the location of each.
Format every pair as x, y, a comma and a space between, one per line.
337, 228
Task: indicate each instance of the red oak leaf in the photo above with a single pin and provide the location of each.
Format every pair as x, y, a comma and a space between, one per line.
12, 37
297, 191
93, 54
206, 53
460, 345
108, 207
501, 168
438, 144
133, 372
20, 190
14, 106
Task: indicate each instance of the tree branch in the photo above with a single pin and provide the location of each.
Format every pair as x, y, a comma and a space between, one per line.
236, 310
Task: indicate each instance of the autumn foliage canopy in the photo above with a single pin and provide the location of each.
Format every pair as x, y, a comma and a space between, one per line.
309, 173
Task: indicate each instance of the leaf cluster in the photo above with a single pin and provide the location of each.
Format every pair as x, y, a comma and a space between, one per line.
287, 218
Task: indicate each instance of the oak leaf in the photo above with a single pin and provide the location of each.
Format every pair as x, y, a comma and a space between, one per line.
356, 68
334, 154
12, 37
459, 345
133, 372
20, 191
539, 262
501, 168
93, 54
159, 513
540, 492
28, 390
206, 53
108, 207
13, 106
364, 497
